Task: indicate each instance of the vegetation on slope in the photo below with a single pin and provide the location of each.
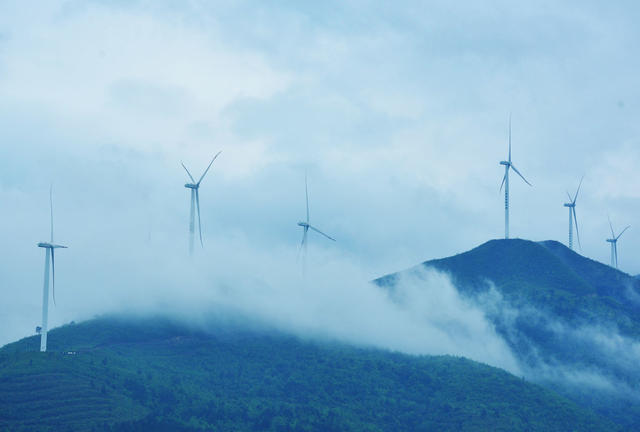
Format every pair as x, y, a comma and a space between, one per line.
547, 275
117, 374
559, 313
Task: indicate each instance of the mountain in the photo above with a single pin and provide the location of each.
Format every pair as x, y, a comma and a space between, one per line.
573, 323
545, 274
126, 374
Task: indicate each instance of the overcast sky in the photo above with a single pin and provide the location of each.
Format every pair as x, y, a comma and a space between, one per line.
397, 111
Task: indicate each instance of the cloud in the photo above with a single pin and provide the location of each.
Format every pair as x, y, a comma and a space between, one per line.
141, 80
617, 172
398, 114
577, 356
400, 108
334, 301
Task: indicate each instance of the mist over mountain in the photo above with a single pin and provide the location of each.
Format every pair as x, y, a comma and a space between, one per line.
132, 373
536, 309
572, 323
398, 115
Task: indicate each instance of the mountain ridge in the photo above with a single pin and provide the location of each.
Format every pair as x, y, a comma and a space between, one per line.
546, 263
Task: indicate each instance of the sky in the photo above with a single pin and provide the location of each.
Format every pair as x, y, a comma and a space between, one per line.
397, 113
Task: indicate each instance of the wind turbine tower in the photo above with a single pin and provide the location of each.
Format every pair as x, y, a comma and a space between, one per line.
306, 226
614, 244
505, 183
195, 203
572, 216
50, 248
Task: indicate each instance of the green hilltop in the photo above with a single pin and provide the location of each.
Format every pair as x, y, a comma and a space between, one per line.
557, 310
543, 274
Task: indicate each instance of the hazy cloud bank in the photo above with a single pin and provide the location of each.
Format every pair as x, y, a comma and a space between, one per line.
334, 300
582, 356
398, 112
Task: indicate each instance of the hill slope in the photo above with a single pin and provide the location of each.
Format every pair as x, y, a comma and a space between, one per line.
573, 323
547, 275
124, 374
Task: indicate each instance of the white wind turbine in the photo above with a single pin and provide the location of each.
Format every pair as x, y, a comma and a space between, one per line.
195, 203
49, 256
614, 244
505, 182
572, 216
307, 227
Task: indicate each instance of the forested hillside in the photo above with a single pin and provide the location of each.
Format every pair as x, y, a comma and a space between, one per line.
573, 323
155, 374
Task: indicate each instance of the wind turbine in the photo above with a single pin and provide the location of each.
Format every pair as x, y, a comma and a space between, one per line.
614, 244
306, 226
195, 203
505, 182
572, 216
50, 255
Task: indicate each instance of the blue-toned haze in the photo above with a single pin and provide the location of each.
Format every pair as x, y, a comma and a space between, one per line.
397, 111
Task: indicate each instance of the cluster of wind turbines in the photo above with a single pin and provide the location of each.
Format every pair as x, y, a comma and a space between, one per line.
50, 246
194, 187
195, 203
508, 164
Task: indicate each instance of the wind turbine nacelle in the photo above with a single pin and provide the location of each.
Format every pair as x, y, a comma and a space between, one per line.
611, 240
569, 205
51, 246
505, 163
191, 186
303, 224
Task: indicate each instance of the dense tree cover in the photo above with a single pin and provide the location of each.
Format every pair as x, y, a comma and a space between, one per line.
547, 275
140, 374
553, 299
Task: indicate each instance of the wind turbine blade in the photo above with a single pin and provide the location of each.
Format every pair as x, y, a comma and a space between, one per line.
306, 193
51, 209
504, 179
188, 173
521, 176
192, 211
576, 196
302, 252
304, 237
207, 170
320, 232
569, 195
509, 137
613, 235
53, 274
575, 220
199, 225
619, 235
